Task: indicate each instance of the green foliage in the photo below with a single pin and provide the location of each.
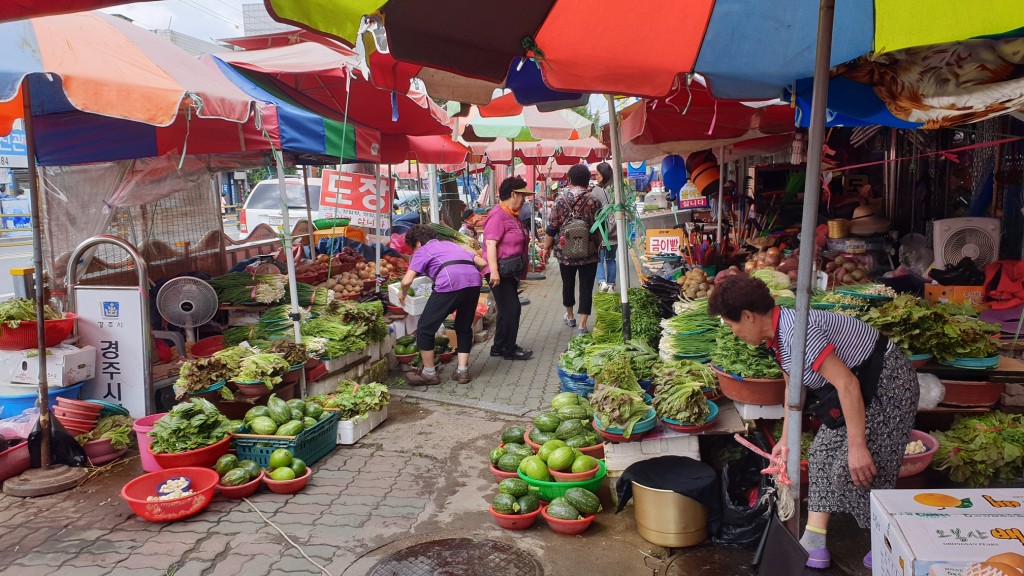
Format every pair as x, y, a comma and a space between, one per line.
945, 331
978, 449
735, 356
17, 310
644, 315
190, 426
353, 399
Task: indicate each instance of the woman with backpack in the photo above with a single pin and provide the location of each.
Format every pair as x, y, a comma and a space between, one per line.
576, 247
606, 262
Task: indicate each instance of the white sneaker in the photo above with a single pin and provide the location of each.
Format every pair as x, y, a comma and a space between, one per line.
602, 286
609, 287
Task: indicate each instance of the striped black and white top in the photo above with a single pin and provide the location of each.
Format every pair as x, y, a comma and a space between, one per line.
850, 339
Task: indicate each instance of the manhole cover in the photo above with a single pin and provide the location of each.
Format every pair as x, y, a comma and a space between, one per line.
458, 557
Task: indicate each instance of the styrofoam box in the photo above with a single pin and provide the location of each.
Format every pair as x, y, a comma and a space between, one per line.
756, 411
943, 532
660, 442
351, 431
414, 305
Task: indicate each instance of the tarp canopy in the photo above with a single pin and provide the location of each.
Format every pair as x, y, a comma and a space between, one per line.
747, 50
528, 126
330, 84
397, 148
19, 9
564, 152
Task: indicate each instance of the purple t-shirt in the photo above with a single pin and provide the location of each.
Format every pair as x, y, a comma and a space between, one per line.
509, 232
432, 255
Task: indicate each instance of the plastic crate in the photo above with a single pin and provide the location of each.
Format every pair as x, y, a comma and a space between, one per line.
14, 461
309, 446
351, 431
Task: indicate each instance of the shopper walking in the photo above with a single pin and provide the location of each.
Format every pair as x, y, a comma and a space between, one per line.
576, 247
456, 275
604, 193
860, 386
506, 242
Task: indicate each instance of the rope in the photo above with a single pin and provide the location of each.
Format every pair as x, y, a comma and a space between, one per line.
530, 45
628, 206
294, 545
784, 502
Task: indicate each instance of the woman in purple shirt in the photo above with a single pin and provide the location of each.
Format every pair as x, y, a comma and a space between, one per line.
506, 241
456, 275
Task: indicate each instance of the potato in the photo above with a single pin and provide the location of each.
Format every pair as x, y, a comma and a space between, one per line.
702, 294
849, 266
830, 267
857, 274
840, 260
703, 286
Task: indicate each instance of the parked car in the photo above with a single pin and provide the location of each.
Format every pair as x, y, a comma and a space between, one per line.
263, 206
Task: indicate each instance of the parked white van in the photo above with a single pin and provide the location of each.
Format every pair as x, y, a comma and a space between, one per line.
263, 206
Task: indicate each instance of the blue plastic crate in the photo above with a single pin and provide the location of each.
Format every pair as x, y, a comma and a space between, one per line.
309, 446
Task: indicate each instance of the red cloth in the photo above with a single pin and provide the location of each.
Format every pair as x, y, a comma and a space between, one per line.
1005, 281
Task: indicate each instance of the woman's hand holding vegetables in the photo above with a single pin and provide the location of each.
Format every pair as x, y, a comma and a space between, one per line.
862, 466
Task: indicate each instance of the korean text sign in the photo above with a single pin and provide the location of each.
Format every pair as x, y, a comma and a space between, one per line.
355, 196
664, 240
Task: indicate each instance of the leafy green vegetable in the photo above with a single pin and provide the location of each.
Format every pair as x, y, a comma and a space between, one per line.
201, 373
189, 426
618, 372
617, 408
945, 331
117, 428
644, 311
806, 439
341, 338
572, 360
294, 354
607, 318
681, 400
735, 356
266, 367
978, 449
352, 399
775, 280
17, 310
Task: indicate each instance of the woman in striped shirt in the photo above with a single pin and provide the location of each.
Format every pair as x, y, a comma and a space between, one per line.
862, 388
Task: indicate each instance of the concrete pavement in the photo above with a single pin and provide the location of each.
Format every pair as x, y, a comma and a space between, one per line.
421, 476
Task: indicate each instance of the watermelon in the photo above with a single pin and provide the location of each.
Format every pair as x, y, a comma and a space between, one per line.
547, 422
263, 425
561, 509
583, 500
278, 410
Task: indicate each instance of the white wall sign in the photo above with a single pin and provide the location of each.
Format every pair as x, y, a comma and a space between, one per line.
110, 320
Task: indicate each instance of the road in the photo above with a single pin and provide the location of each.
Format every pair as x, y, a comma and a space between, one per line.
15, 255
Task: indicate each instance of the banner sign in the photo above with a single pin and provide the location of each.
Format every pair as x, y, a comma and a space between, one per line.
355, 196
14, 148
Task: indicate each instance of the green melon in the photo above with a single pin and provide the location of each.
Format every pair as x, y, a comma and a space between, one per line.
583, 500
561, 459
535, 468
548, 447
547, 422
569, 428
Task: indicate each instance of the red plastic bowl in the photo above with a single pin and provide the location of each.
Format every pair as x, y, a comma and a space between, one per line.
62, 412
243, 491
515, 521
24, 336
405, 358
500, 475
205, 457
530, 443
618, 437
90, 407
207, 347
288, 486
916, 463
574, 477
135, 493
597, 451
567, 527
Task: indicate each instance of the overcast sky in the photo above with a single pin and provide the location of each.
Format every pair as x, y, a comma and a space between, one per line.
203, 19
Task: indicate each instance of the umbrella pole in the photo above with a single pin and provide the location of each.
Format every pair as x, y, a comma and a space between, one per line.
613, 129
419, 191
721, 200
286, 245
309, 213
434, 209
376, 216
805, 273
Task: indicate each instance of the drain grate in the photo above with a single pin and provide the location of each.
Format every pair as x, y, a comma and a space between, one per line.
458, 557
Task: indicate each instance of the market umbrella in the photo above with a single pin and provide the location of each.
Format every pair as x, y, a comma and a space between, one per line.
19, 9
746, 49
565, 152
527, 126
330, 83
102, 65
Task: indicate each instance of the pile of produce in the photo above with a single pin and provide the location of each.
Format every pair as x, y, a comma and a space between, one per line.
554, 455
294, 354
346, 284
690, 333
368, 270
979, 449
618, 400
845, 270
573, 360
734, 356
514, 497
777, 282
946, 331
830, 297
769, 258
280, 418
190, 426
642, 358
644, 315
512, 451
445, 233
17, 310
352, 400
241, 288
199, 374
568, 421
284, 466
233, 472
806, 439
341, 337
607, 318
679, 391
406, 345
695, 284
666, 291
345, 258
117, 428
266, 367
576, 503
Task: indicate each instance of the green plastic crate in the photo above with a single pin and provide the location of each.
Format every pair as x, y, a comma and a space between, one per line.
309, 446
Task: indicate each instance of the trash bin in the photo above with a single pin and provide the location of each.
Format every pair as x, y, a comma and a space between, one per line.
676, 500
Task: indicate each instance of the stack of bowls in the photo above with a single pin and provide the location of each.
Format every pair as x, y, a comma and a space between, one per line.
76, 416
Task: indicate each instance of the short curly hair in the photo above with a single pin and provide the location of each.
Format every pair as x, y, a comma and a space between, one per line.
510, 185
738, 293
419, 234
579, 175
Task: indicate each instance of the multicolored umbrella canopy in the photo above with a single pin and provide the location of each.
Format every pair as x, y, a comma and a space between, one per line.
328, 82
397, 148
564, 152
746, 50
20, 9
527, 126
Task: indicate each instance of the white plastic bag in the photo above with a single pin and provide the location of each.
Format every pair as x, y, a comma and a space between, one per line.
21, 425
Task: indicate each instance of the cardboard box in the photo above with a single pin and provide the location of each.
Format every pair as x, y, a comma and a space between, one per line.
66, 365
943, 533
935, 294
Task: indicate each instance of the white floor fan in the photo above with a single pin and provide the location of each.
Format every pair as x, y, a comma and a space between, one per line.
187, 302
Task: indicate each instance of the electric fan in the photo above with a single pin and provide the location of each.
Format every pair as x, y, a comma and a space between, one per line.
958, 238
187, 302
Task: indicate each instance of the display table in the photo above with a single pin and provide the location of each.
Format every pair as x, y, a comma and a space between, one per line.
1008, 370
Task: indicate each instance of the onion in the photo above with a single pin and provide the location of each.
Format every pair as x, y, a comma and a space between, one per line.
773, 251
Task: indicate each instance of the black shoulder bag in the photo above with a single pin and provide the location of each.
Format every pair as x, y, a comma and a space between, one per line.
826, 405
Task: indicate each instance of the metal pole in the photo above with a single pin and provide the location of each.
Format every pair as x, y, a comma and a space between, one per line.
309, 213
376, 216
43, 402
432, 178
620, 218
721, 201
812, 188
286, 245
419, 191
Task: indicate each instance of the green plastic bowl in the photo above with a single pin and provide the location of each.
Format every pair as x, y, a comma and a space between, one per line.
548, 491
328, 223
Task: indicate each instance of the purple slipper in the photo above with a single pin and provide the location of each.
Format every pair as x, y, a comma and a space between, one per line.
867, 561
819, 559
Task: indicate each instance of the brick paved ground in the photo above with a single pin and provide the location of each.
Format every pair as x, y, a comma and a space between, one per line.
422, 475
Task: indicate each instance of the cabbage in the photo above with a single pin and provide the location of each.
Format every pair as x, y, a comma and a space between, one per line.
773, 278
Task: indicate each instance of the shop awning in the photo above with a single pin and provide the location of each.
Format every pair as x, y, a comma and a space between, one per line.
20, 9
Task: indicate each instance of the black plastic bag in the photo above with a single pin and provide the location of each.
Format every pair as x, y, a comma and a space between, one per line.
64, 449
964, 273
742, 524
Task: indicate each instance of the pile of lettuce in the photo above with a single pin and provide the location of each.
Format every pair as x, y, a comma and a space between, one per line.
189, 426
735, 356
946, 331
978, 449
